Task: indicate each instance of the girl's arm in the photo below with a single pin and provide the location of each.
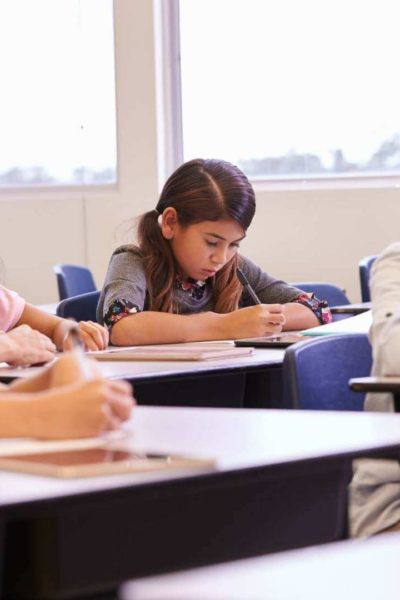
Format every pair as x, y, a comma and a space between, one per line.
93, 335
61, 403
150, 327
24, 346
82, 409
298, 317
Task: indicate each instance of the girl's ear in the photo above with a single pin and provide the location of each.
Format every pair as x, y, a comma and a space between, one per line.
169, 222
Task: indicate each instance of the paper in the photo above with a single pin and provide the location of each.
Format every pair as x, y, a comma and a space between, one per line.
173, 352
358, 324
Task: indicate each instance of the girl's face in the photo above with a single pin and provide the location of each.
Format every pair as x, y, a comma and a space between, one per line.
204, 248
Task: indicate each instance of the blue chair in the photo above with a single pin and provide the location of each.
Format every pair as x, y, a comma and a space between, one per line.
333, 294
316, 374
364, 268
73, 280
80, 308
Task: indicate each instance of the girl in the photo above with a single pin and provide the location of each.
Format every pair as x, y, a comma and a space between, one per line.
28, 335
180, 284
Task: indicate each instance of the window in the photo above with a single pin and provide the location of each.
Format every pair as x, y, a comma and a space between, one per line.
292, 88
57, 117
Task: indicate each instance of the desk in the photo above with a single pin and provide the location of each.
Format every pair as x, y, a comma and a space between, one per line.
280, 484
367, 569
247, 381
378, 385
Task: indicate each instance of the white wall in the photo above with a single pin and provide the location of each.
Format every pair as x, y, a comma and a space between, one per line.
296, 234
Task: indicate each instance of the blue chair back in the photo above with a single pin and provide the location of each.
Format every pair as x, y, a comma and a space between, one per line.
364, 269
333, 294
73, 280
80, 308
316, 374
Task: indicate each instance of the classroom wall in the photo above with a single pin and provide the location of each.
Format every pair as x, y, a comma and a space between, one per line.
297, 234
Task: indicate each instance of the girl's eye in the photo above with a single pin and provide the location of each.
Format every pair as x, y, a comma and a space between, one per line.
235, 245
211, 243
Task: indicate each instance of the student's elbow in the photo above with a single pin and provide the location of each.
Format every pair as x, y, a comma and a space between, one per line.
299, 316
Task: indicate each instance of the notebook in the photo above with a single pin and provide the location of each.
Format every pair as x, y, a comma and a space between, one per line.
100, 460
173, 352
359, 324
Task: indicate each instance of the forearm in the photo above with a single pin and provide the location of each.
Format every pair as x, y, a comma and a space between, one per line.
53, 327
35, 383
17, 415
298, 317
152, 327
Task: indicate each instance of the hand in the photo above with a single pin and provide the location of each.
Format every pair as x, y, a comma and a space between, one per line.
93, 335
23, 346
83, 409
254, 321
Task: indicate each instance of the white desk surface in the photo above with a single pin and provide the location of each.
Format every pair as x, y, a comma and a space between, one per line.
235, 439
152, 369
367, 569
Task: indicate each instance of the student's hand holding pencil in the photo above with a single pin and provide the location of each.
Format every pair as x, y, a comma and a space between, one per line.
69, 399
92, 335
254, 321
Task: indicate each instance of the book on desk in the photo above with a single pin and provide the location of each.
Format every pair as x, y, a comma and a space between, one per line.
174, 352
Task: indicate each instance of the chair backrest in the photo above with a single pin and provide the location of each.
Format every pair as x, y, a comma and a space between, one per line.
333, 294
73, 280
364, 269
80, 308
316, 374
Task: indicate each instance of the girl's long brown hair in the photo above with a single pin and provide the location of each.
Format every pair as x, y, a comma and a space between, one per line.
199, 190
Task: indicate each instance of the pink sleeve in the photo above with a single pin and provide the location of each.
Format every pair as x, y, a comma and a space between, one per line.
11, 308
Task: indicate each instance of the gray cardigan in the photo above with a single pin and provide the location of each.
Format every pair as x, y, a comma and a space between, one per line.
126, 280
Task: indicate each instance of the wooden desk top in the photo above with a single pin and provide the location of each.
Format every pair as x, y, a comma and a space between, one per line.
236, 439
367, 569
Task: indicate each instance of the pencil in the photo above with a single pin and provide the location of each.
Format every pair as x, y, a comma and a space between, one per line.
245, 283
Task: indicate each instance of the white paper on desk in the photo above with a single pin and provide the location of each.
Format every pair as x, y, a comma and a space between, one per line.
357, 324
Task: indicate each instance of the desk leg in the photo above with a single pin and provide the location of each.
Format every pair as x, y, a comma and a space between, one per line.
264, 389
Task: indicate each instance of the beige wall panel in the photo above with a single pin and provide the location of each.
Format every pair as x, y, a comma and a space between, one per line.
322, 234
35, 234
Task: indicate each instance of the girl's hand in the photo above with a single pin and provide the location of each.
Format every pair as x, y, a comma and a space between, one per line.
93, 335
254, 321
23, 346
82, 409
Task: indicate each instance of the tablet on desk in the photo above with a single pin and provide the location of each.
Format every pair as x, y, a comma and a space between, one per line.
273, 341
103, 460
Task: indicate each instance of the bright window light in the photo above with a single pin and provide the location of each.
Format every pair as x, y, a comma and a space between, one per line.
292, 88
57, 117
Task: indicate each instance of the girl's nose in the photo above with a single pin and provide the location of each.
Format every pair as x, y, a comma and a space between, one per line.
219, 256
